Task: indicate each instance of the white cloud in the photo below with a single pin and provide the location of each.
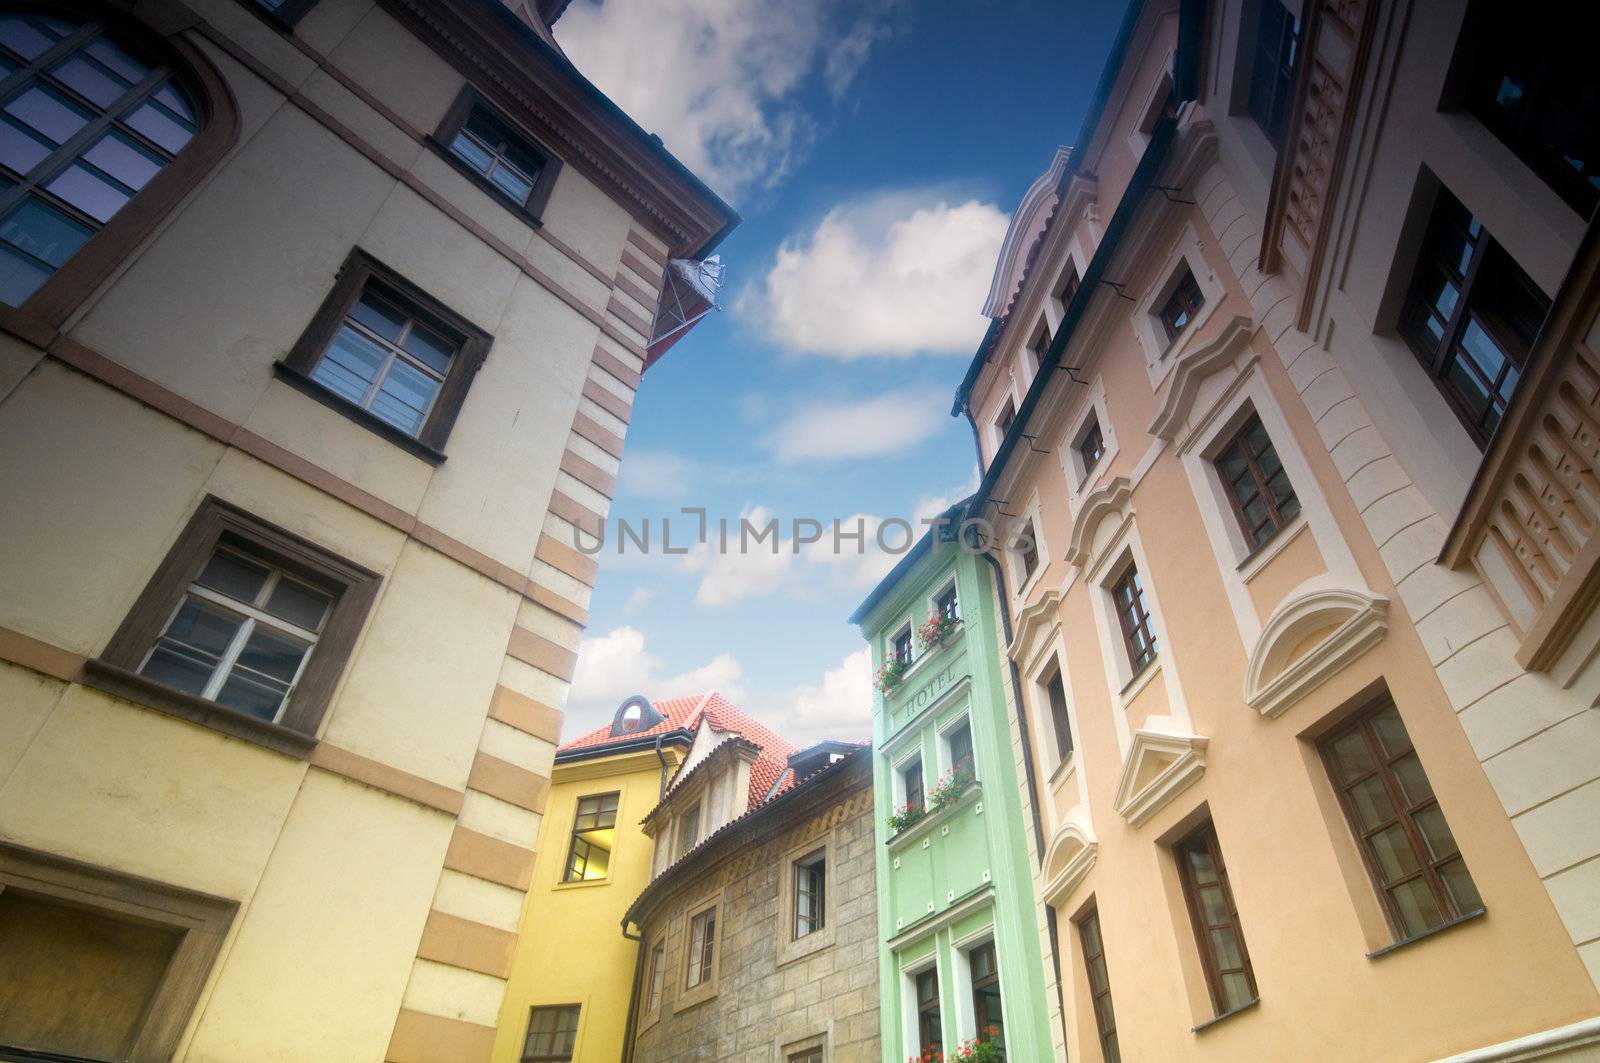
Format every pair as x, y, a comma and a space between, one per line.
616, 665
840, 706
659, 474
720, 80
894, 275
638, 598
890, 423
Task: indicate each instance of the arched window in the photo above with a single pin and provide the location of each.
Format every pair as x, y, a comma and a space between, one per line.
93, 110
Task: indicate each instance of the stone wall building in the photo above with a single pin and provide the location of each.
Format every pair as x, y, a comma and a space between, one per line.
760, 944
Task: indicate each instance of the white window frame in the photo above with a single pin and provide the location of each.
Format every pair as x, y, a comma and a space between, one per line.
947, 762
1013, 395
1081, 481
908, 999
949, 584
1055, 309
1020, 579
966, 1015
909, 628
1150, 108
899, 779
1160, 354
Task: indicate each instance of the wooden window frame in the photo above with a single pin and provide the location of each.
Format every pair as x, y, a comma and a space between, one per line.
1060, 722
960, 724
1276, 521
903, 646
926, 1012
1281, 95
466, 102
116, 670
792, 948
1187, 297
200, 918
1105, 1025
698, 974
577, 838
1405, 816
979, 1011
1030, 552
1004, 418
42, 314
692, 995
1205, 837
1091, 445
526, 1057
1067, 286
359, 270
904, 771
1134, 625
800, 868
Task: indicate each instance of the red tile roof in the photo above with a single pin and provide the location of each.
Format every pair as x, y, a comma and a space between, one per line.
686, 714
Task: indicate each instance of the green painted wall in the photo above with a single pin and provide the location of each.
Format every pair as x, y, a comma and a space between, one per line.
962, 875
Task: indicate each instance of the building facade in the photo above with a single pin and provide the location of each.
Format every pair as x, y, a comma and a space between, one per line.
1284, 416
958, 950
759, 943
322, 324
572, 973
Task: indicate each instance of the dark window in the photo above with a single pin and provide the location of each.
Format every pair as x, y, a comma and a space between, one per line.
1039, 345
912, 775
552, 1033
389, 356
1404, 838
1182, 305
946, 605
689, 829
1094, 959
1091, 445
810, 893
808, 1055
1028, 543
960, 741
1216, 921
1127, 594
658, 967
986, 994
244, 627
1008, 417
1259, 488
1533, 82
902, 647
593, 833
284, 13
930, 1031
1471, 317
1272, 65
499, 157
92, 119
1056, 692
702, 940
1068, 288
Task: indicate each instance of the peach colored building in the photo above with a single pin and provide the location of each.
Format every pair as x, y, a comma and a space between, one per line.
320, 326
1289, 412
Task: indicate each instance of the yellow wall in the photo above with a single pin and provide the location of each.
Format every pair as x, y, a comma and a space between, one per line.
571, 949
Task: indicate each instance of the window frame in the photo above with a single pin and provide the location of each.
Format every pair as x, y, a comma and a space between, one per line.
800, 868
1180, 286
470, 99
974, 985
922, 1012
680, 849
935, 601
947, 749
1205, 836
1281, 96
1404, 817
217, 115
527, 1035
214, 523
287, 15
1060, 716
358, 271
1129, 575
575, 836
1105, 1026
1090, 431
654, 986
689, 996
1276, 521
903, 645
903, 772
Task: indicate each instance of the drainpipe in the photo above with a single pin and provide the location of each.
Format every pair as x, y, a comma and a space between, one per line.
633, 997
1027, 744
662, 757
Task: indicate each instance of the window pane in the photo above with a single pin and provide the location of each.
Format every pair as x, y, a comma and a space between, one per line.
1458, 883
232, 575
252, 695
1236, 991
1392, 851
124, 160
471, 152
193, 644
89, 80
161, 127
1390, 731
1435, 832
19, 277
299, 604
89, 192
350, 365
511, 182
1350, 756
25, 36
272, 655
404, 397
1413, 780
117, 60
429, 348
44, 232
48, 112
1417, 909
380, 316
20, 148
1371, 802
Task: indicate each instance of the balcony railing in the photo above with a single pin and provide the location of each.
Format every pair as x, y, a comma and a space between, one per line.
1530, 521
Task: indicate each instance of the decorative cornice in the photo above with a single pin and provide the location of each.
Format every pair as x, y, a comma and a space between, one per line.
1186, 762
1112, 498
1028, 223
1195, 366
1067, 862
1272, 682
1036, 619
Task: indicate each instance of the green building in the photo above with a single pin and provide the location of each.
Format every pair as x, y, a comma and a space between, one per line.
959, 943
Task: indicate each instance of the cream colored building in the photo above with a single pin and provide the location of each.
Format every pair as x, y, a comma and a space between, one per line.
1301, 495
322, 321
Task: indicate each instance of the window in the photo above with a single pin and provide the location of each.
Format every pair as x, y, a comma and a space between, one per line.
387, 355
689, 829
1094, 960
1259, 488
959, 741
658, 966
911, 781
496, 155
1272, 65
1127, 595
986, 994
91, 120
1037, 347
1408, 847
1533, 83
1471, 317
1003, 423
284, 13
1056, 694
244, 627
552, 1034
1216, 921
1182, 305
1028, 545
945, 603
1091, 445
808, 1055
702, 940
901, 646
593, 834
1067, 290
930, 1032
810, 893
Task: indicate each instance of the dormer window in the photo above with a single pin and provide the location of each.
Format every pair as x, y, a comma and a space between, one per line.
634, 715
689, 829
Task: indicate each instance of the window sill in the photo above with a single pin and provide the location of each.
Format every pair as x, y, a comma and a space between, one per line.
482, 183
1137, 682
120, 682
1225, 1016
300, 382
800, 948
1476, 913
693, 998
582, 884
1064, 770
902, 840
1262, 556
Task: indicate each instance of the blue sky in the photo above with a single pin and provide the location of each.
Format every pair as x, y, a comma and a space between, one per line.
875, 149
